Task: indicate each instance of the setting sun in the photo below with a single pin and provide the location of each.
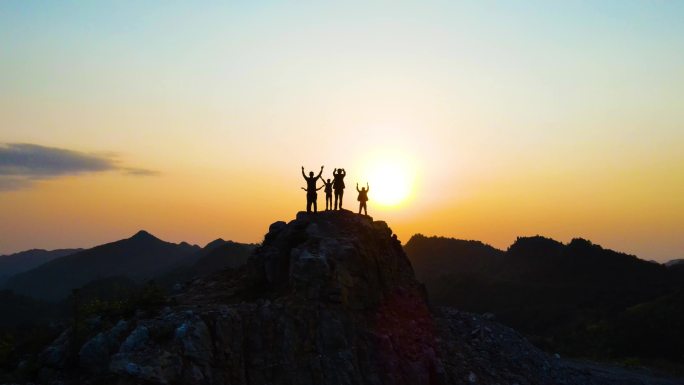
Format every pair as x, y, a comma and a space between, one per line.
390, 181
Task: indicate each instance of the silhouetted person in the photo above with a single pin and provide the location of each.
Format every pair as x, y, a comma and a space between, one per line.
338, 185
328, 194
309, 201
363, 198
311, 189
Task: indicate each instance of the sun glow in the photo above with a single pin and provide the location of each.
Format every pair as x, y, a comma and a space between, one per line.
391, 181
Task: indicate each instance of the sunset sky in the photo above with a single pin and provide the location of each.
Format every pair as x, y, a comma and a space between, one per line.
192, 119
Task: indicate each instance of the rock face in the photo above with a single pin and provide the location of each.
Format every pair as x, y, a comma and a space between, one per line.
328, 298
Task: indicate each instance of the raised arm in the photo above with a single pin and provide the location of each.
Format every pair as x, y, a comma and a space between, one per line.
367, 187
320, 173
344, 173
303, 174
357, 188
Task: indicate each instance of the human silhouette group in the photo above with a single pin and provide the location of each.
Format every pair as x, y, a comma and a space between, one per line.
334, 187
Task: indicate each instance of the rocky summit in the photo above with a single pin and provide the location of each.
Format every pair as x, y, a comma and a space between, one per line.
328, 298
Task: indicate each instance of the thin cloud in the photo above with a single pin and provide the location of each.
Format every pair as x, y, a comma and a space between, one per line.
140, 171
21, 164
8, 183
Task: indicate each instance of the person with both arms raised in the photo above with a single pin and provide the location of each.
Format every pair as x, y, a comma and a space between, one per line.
363, 198
311, 195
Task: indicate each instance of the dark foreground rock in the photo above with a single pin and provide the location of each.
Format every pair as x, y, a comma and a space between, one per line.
328, 298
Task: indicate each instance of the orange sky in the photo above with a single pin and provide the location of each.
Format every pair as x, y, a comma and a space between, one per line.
559, 120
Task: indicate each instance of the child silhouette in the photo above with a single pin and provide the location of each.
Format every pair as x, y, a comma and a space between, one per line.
328, 194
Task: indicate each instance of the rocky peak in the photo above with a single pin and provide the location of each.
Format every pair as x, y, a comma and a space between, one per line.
336, 256
143, 235
215, 243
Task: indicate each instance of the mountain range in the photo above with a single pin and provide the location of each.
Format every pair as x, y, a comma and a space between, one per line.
16, 263
139, 258
576, 298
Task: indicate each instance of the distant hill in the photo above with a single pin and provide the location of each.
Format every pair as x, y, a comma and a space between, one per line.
435, 253
677, 269
26, 260
554, 292
227, 254
215, 256
140, 257
674, 262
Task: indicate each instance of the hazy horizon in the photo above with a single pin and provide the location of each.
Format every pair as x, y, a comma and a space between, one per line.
192, 121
